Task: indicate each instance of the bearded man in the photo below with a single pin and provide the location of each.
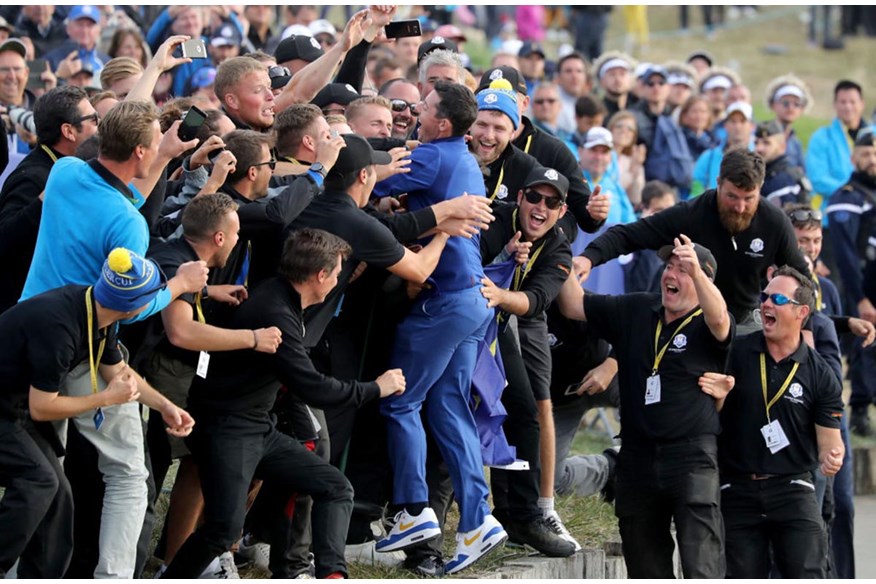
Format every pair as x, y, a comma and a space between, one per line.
745, 235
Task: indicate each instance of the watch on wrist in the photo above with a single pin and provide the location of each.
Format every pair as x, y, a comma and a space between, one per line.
319, 168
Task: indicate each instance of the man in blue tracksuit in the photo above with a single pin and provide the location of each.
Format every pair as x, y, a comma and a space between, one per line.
436, 345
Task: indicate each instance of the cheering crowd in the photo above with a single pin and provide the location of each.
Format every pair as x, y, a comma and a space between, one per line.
334, 273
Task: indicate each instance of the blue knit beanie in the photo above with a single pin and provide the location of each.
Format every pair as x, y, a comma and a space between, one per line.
500, 96
128, 281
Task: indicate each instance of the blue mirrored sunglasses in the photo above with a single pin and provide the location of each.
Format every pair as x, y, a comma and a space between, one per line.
778, 299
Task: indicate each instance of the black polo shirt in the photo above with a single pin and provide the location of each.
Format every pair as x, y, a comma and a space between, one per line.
813, 397
41, 340
245, 383
629, 323
548, 270
372, 243
170, 256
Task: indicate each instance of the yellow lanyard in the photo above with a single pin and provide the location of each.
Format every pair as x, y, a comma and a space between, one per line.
198, 309
498, 184
51, 154
658, 355
528, 142
763, 381
91, 361
520, 272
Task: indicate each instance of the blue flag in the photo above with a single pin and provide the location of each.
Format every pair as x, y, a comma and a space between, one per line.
488, 382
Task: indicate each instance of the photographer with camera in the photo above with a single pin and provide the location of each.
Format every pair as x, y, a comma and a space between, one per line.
15, 100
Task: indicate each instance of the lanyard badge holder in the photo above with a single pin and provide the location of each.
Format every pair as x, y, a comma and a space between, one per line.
652, 384
773, 434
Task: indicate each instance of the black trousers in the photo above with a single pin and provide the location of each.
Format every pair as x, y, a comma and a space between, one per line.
781, 513
36, 512
664, 482
515, 493
230, 451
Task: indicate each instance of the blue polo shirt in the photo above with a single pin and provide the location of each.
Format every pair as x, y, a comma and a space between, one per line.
442, 170
84, 218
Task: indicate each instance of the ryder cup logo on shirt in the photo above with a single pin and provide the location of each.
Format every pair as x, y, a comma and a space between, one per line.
757, 245
680, 341
796, 390
503, 192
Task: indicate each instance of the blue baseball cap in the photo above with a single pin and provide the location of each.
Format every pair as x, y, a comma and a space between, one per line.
84, 11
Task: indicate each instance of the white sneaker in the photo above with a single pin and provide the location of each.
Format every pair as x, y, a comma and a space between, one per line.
409, 531
552, 518
221, 568
256, 552
475, 544
365, 553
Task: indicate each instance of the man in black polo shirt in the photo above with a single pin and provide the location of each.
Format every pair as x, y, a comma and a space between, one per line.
184, 340
746, 236
239, 441
668, 465
41, 340
780, 422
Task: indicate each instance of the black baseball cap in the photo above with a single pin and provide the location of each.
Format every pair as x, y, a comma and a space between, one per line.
298, 46
434, 44
356, 155
541, 175
340, 93
506, 72
708, 263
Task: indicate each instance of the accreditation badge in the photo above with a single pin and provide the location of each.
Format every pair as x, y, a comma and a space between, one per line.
652, 390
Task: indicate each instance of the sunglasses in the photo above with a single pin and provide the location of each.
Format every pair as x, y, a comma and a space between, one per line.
278, 71
534, 197
400, 105
327, 39
545, 100
803, 215
95, 117
778, 299
272, 164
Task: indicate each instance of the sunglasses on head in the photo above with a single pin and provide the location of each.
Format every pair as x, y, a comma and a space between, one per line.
534, 197
803, 215
400, 105
778, 299
278, 71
